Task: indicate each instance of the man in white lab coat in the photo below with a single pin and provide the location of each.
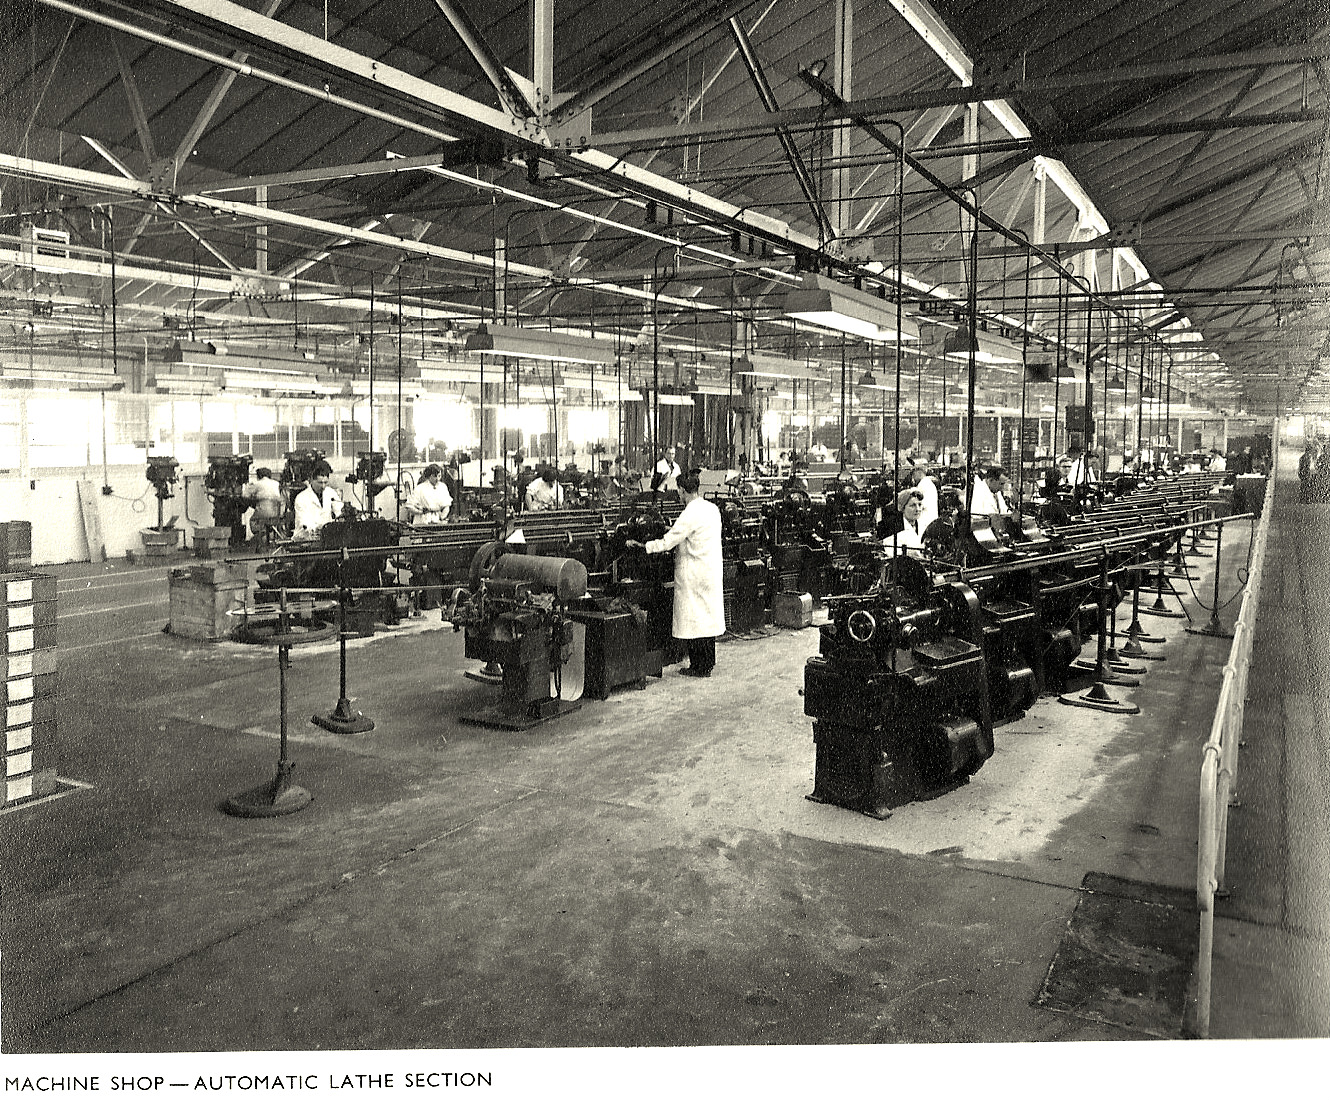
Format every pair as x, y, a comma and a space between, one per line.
988, 498
316, 504
1084, 471
699, 605
667, 472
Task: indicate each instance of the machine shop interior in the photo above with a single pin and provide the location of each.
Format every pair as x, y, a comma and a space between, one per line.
398, 396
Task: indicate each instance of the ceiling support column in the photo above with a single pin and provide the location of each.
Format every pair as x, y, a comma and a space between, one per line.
542, 56
841, 134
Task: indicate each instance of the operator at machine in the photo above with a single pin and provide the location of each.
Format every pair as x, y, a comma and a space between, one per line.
1084, 471
544, 493
264, 495
907, 534
922, 482
667, 473
316, 504
988, 498
429, 501
699, 605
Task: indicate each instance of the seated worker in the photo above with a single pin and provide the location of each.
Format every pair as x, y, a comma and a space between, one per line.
264, 495
988, 498
909, 531
429, 501
544, 494
316, 504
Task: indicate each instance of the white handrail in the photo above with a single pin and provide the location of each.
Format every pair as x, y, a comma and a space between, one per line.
1219, 762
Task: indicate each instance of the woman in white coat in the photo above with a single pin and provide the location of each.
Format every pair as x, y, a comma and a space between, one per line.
699, 605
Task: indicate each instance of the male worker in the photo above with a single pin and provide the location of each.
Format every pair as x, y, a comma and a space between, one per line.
429, 501
667, 472
988, 499
1084, 471
544, 493
264, 495
316, 504
1217, 461
699, 605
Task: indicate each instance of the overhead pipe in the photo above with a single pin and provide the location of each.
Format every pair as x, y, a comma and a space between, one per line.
802, 175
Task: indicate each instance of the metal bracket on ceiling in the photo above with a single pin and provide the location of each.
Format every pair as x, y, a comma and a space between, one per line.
1123, 236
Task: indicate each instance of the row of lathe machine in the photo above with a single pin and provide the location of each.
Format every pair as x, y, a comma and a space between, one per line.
557, 607
916, 670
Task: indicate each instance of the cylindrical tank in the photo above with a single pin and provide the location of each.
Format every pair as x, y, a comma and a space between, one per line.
566, 577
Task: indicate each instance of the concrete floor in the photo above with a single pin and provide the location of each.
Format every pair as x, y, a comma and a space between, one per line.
644, 872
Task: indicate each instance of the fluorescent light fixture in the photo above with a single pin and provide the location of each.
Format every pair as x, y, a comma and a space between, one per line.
184, 383
986, 347
826, 302
775, 366
279, 381
535, 343
17, 377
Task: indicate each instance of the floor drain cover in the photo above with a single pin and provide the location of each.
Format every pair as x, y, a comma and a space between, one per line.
1127, 957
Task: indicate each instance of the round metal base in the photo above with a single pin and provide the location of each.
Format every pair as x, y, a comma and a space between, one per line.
343, 719
1212, 629
1160, 611
1138, 652
272, 799
1137, 633
1099, 699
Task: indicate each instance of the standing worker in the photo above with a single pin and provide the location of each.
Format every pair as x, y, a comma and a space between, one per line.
429, 501
699, 605
667, 472
316, 504
264, 495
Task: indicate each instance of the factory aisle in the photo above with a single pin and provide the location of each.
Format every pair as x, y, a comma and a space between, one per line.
1272, 934
646, 871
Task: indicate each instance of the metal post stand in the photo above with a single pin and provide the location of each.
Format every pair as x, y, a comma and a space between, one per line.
1194, 550
1214, 628
1159, 608
1117, 662
279, 796
1179, 565
1135, 632
343, 719
1098, 697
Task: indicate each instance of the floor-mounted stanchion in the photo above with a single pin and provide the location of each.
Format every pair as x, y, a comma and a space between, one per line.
1117, 661
1214, 628
278, 796
1159, 608
1194, 550
1136, 634
1097, 696
343, 719
1178, 567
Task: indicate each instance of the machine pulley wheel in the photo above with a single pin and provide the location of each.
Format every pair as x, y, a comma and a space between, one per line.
861, 625
484, 558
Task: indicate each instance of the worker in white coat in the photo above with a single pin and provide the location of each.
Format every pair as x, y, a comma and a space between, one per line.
430, 501
699, 605
317, 504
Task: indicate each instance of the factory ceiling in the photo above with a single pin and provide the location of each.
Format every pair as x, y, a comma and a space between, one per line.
1155, 169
